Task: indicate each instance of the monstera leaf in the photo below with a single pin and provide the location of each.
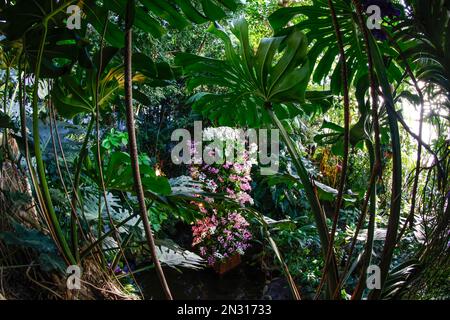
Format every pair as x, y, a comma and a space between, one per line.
316, 19
277, 73
73, 94
72, 98
335, 134
18, 18
21, 24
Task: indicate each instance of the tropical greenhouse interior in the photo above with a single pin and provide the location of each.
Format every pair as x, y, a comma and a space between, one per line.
224, 149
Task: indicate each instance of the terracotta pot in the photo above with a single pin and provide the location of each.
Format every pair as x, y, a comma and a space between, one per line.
227, 264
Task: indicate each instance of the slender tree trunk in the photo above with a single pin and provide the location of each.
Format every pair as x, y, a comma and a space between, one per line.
133, 147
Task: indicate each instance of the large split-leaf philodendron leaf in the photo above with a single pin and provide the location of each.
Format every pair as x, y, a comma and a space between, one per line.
75, 94
316, 20
276, 73
72, 98
21, 24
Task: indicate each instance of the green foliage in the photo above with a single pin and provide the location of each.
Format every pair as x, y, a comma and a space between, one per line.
305, 265
426, 37
260, 91
252, 79
176, 13
6, 122
118, 174
45, 248
115, 140
324, 53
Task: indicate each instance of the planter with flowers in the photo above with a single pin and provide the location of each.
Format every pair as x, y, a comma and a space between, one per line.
222, 240
223, 235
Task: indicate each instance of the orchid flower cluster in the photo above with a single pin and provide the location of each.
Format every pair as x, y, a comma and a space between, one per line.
220, 235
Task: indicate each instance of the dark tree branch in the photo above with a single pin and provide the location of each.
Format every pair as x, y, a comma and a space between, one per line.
133, 147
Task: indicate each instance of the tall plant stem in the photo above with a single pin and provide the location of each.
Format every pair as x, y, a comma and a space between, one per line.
359, 289
395, 207
24, 133
5, 108
115, 234
410, 219
359, 225
53, 133
40, 163
133, 147
76, 184
376, 167
265, 228
376, 63
344, 76
312, 198
373, 89
396, 195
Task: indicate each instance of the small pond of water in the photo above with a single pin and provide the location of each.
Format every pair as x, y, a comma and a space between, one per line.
245, 282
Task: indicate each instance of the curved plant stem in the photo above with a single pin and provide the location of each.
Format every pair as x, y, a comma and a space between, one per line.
344, 75
279, 256
312, 198
61, 149
396, 196
357, 294
40, 163
115, 234
421, 142
359, 225
373, 90
5, 108
376, 168
395, 205
133, 147
24, 133
74, 217
410, 219
53, 124
76, 185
